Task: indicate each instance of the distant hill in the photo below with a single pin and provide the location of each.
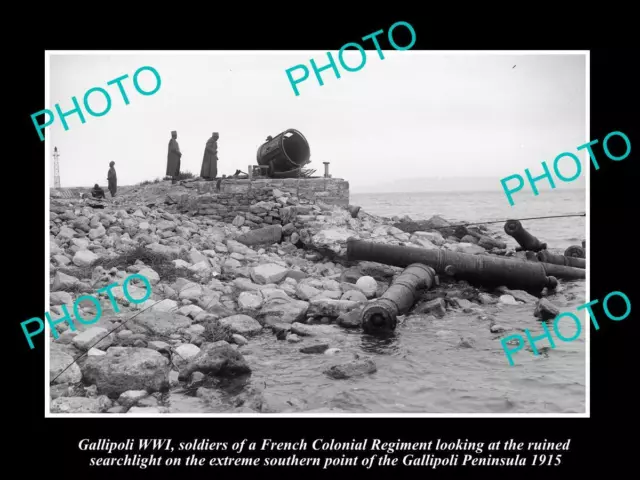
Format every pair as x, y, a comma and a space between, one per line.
451, 184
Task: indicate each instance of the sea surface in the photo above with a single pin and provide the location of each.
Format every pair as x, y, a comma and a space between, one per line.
450, 365
558, 233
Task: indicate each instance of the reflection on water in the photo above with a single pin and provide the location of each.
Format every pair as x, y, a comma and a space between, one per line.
384, 344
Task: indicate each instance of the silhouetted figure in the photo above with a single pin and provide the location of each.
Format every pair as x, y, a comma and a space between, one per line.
112, 179
97, 192
219, 183
173, 158
209, 168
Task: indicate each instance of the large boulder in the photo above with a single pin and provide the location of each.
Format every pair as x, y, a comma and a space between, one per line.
268, 273
282, 311
217, 359
127, 368
242, 324
334, 239
159, 323
60, 360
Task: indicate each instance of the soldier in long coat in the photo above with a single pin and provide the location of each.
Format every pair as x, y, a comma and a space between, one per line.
209, 168
173, 158
112, 179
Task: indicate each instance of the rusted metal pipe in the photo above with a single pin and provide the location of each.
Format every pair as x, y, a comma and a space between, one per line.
563, 272
575, 251
548, 257
526, 241
382, 315
484, 270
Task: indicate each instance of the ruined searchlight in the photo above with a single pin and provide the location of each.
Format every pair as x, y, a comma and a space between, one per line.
285, 154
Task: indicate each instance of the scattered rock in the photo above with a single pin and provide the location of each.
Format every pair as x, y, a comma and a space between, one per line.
508, 300
75, 405
84, 258
351, 369
330, 308
131, 397
268, 273
354, 296
217, 359
436, 307
127, 368
250, 300
519, 295
283, 312
90, 337
60, 360
368, 286
497, 329
234, 261
242, 324
318, 348
350, 319
546, 310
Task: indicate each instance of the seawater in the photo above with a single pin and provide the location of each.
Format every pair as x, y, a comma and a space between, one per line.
426, 367
460, 207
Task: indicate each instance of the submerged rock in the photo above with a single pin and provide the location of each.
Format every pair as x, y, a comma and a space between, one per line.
318, 348
352, 369
546, 310
436, 307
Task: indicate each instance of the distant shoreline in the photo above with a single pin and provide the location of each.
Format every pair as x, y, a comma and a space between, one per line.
497, 191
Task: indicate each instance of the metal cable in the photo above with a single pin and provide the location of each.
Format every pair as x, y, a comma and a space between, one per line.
502, 221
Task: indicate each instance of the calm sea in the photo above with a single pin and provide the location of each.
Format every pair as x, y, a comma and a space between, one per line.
558, 233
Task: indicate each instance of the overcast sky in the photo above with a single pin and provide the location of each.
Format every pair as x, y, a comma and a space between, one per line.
408, 116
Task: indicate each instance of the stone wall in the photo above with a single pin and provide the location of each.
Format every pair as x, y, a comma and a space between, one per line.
332, 191
255, 200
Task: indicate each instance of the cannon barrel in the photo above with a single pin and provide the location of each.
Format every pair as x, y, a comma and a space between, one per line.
484, 270
547, 257
576, 251
284, 154
527, 241
382, 314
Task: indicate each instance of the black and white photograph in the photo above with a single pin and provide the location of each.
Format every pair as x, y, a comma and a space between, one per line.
226, 238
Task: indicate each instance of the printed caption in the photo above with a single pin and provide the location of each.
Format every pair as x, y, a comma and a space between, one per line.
324, 453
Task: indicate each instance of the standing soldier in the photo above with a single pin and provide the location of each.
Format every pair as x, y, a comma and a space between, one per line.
209, 170
112, 179
173, 158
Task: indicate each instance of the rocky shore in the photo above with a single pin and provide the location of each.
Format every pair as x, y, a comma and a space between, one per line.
213, 297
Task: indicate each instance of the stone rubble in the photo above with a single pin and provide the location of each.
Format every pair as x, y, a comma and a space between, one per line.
212, 295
